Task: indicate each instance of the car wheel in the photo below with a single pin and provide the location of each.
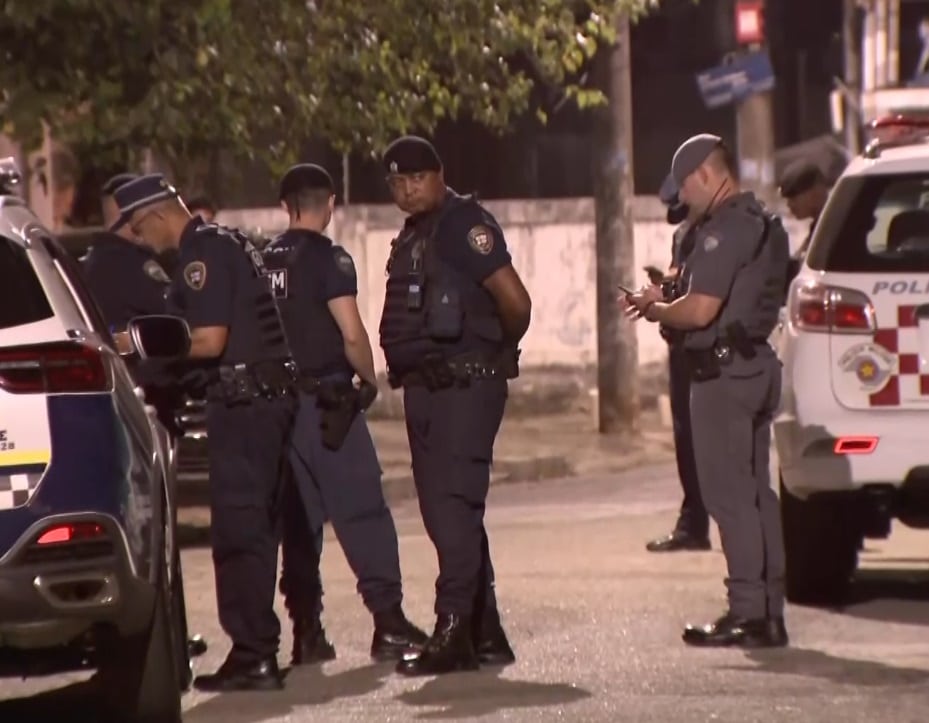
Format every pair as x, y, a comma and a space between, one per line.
139, 672
821, 548
185, 673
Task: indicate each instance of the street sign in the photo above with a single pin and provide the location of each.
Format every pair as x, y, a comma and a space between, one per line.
737, 78
749, 22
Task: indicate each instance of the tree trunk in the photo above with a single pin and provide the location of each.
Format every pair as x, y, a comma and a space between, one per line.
617, 348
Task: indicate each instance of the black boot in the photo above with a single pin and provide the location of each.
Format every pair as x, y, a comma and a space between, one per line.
310, 643
733, 631
490, 641
235, 674
394, 635
449, 649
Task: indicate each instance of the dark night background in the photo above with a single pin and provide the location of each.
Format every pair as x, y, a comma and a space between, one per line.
668, 48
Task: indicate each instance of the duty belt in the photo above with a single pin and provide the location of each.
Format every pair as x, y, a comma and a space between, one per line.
446, 373
244, 382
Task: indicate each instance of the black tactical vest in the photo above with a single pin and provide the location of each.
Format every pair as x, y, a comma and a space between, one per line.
315, 338
432, 310
260, 336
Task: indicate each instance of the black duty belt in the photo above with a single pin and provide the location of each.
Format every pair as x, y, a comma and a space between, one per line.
244, 382
446, 373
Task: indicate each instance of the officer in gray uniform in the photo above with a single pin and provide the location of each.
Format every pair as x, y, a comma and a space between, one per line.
691, 532
734, 279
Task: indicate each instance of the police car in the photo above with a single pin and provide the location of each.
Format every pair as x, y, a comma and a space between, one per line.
851, 435
90, 574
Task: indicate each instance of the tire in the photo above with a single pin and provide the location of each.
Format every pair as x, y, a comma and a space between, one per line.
185, 672
821, 548
139, 673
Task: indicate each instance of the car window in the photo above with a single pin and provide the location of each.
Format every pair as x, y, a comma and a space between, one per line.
69, 266
26, 301
875, 223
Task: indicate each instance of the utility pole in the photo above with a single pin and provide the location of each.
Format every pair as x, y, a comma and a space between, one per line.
851, 99
617, 347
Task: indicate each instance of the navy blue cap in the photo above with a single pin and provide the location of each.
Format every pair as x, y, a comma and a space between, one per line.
305, 177
120, 179
691, 154
139, 193
800, 176
411, 154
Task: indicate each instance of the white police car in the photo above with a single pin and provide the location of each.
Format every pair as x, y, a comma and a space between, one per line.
90, 573
851, 435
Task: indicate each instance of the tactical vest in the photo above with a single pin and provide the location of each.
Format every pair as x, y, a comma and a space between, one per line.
272, 337
315, 338
432, 310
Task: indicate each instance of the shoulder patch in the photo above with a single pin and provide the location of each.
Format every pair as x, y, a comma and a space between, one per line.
481, 239
155, 271
710, 243
195, 275
344, 262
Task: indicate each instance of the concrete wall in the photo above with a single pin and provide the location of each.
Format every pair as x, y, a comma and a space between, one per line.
552, 244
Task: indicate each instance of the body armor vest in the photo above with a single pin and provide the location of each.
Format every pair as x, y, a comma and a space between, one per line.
432, 310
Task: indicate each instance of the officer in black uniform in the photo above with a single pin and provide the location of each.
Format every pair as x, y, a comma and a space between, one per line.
734, 280
692, 531
806, 190
237, 335
127, 280
454, 312
333, 458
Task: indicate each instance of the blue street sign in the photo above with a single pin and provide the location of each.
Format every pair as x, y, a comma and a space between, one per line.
737, 78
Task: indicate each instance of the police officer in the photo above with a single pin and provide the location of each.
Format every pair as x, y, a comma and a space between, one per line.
805, 189
128, 280
333, 459
692, 531
238, 337
734, 278
454, 312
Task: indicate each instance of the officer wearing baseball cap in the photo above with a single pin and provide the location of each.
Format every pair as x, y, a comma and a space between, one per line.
733, 282
334, 463
805, 189
237, 336
691, 532
454, 313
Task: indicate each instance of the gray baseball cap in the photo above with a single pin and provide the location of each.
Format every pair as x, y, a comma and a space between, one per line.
691, 155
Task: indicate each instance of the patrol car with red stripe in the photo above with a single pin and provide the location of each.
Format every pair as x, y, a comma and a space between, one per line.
90, 572
851, 435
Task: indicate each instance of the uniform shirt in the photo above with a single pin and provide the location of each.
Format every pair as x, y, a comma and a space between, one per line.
125, 278
307, 270
730, 263
469, 246
217, 284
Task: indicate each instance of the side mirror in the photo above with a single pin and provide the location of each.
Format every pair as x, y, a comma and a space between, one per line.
159, 336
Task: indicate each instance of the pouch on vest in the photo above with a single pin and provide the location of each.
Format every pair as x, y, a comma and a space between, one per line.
444, 313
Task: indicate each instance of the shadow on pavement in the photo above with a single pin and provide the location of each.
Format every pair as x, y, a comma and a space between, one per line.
191, 536
76, 703
306, 686
467, 695
892, 595
843, 671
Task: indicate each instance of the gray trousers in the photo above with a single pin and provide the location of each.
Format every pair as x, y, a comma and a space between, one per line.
731, 418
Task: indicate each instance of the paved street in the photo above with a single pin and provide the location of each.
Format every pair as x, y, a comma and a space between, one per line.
595, 621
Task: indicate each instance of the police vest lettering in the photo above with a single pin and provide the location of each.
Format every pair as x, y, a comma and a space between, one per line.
278, 280
430, 307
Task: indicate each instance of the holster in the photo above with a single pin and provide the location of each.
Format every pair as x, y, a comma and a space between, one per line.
738, 339
339, 405
704, 364
437, 374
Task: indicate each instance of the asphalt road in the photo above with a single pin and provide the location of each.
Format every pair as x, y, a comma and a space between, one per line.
595, 621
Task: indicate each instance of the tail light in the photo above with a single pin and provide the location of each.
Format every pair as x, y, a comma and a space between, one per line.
74, 532
55, 368
816, 307
855, 445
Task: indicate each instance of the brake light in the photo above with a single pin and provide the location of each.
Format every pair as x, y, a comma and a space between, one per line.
55, 368
855, 445
816, 307
74, 532
898, 129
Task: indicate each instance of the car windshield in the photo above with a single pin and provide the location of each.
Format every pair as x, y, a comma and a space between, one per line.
26, 301
875, 223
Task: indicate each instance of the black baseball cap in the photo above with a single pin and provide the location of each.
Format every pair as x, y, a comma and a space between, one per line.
411, 154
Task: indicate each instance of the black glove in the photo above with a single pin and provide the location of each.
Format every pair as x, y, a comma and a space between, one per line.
367, 393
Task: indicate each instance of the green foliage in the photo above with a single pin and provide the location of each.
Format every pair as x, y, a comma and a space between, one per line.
187, 77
